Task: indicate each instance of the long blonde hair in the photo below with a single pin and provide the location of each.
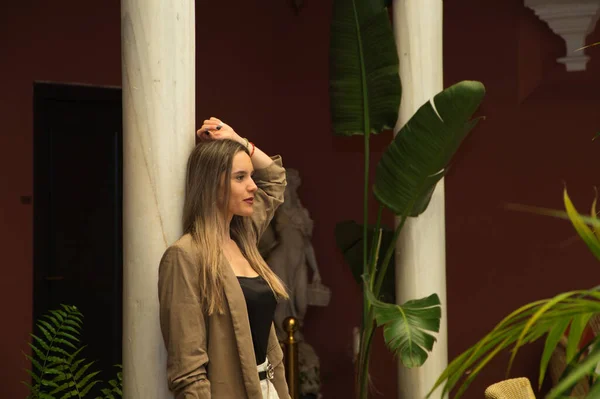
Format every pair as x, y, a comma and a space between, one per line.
206, 203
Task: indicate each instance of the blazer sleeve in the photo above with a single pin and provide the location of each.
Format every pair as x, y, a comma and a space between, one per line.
183, 327
271, 184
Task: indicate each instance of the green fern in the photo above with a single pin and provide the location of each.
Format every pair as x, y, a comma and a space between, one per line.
59, 334
57, 371
116, 386
73, 379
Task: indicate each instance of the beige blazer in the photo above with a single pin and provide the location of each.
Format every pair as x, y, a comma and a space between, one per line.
213, 356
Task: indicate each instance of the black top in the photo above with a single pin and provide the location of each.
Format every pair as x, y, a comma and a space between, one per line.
261, 304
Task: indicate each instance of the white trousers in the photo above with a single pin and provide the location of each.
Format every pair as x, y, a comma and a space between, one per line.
268, 389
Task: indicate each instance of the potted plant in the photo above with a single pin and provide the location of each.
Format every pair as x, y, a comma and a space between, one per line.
365, 94
566, 314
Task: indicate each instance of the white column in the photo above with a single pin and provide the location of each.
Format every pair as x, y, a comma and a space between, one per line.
421, 248
158, 77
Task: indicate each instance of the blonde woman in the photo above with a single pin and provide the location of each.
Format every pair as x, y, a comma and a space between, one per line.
217, 295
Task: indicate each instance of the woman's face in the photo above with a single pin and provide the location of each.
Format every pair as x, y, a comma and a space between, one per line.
242, 187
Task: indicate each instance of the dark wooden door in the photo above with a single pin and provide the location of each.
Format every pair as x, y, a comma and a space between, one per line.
77, 212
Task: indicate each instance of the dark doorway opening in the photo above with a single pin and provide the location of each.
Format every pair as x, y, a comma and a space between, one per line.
78, 213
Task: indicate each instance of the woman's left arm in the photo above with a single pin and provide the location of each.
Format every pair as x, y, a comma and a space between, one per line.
260, 160
269, 174
215, 129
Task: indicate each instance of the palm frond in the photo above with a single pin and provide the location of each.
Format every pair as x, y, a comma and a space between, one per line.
588, 236
581, 370
576, 331
525, 325
552, 341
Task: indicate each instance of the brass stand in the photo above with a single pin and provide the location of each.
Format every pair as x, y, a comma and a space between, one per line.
290, 351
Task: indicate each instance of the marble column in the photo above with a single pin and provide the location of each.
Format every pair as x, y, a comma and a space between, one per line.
158, 78
420, 252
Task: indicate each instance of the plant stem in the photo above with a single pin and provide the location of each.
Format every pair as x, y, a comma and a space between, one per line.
365, 354
367, 131
365, 221
374, 249
388, 256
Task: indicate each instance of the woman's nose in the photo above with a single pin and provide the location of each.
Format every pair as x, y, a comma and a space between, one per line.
253, 187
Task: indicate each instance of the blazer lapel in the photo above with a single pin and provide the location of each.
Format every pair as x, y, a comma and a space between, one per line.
243, 336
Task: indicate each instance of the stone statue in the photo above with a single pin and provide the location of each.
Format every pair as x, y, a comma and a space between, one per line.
287, 249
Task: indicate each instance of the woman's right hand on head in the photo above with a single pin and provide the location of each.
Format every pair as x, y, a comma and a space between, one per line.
215, 129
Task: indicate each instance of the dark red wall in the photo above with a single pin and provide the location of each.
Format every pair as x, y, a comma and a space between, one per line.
537, 137
70, 41
265, 71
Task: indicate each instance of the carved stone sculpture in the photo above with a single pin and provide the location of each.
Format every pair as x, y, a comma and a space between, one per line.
287, 249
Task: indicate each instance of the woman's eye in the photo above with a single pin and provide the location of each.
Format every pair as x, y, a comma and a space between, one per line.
239, 178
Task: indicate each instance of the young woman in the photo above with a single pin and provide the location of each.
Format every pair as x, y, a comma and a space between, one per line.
217, 295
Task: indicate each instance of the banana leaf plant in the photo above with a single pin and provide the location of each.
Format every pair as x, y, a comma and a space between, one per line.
565, 314
365, 93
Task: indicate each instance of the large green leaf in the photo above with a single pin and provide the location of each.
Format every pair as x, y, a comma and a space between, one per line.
349, 239
364, 80
407, 327
418, 156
